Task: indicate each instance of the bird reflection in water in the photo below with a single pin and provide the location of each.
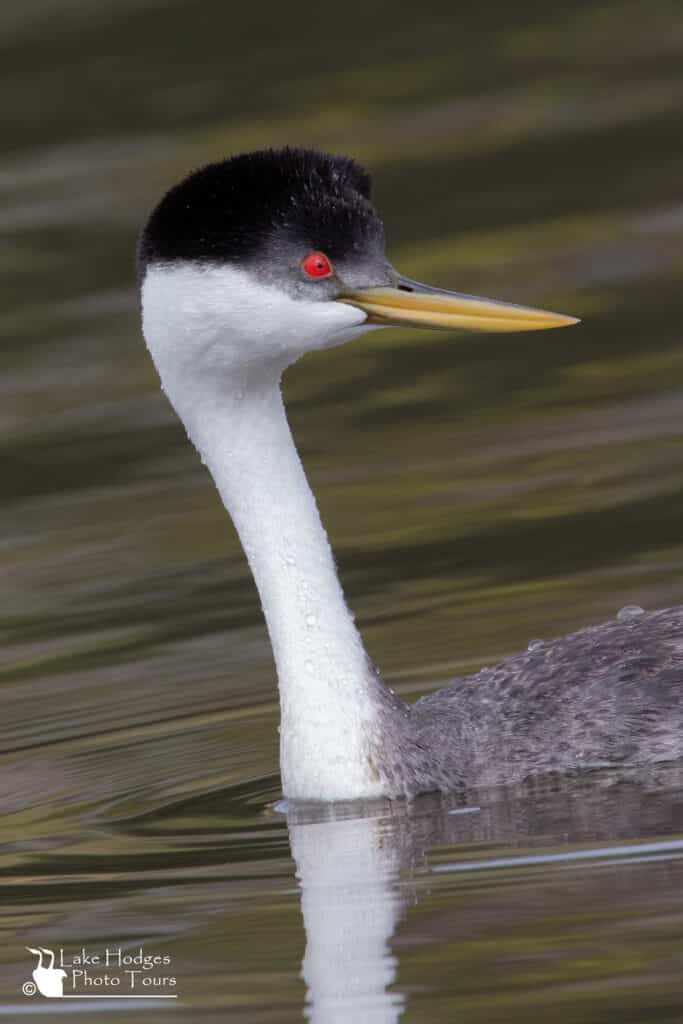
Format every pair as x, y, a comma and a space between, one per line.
348, 869
360, 866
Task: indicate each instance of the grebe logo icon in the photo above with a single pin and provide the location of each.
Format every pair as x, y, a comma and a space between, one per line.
49, 981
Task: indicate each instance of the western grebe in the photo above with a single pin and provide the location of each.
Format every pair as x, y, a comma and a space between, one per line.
245, 266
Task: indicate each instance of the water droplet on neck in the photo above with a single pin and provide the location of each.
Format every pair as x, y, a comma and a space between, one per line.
534, 645
629, 612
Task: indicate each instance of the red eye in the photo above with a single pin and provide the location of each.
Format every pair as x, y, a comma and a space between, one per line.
316, 264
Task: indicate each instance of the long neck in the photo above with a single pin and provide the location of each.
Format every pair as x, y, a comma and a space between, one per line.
328, 694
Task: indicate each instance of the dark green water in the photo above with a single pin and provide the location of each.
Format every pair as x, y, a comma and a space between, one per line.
479, 492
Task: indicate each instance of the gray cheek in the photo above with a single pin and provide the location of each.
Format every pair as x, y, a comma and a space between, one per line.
368, 270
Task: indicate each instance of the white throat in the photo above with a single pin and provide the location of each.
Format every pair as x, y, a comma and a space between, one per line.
220, 343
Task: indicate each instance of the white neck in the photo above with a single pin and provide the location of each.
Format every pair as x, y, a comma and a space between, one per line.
329, 707
321, 664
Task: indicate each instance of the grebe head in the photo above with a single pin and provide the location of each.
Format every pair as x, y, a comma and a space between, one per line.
255, 260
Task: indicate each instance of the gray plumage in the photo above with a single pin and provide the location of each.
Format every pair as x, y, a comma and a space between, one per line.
610, 695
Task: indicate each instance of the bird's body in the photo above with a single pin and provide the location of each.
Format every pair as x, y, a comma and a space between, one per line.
606, 696
245, 266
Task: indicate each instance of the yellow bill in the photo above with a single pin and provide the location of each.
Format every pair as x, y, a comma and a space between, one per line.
411, 304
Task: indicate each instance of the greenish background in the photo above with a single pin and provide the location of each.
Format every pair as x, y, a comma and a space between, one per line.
479, 491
